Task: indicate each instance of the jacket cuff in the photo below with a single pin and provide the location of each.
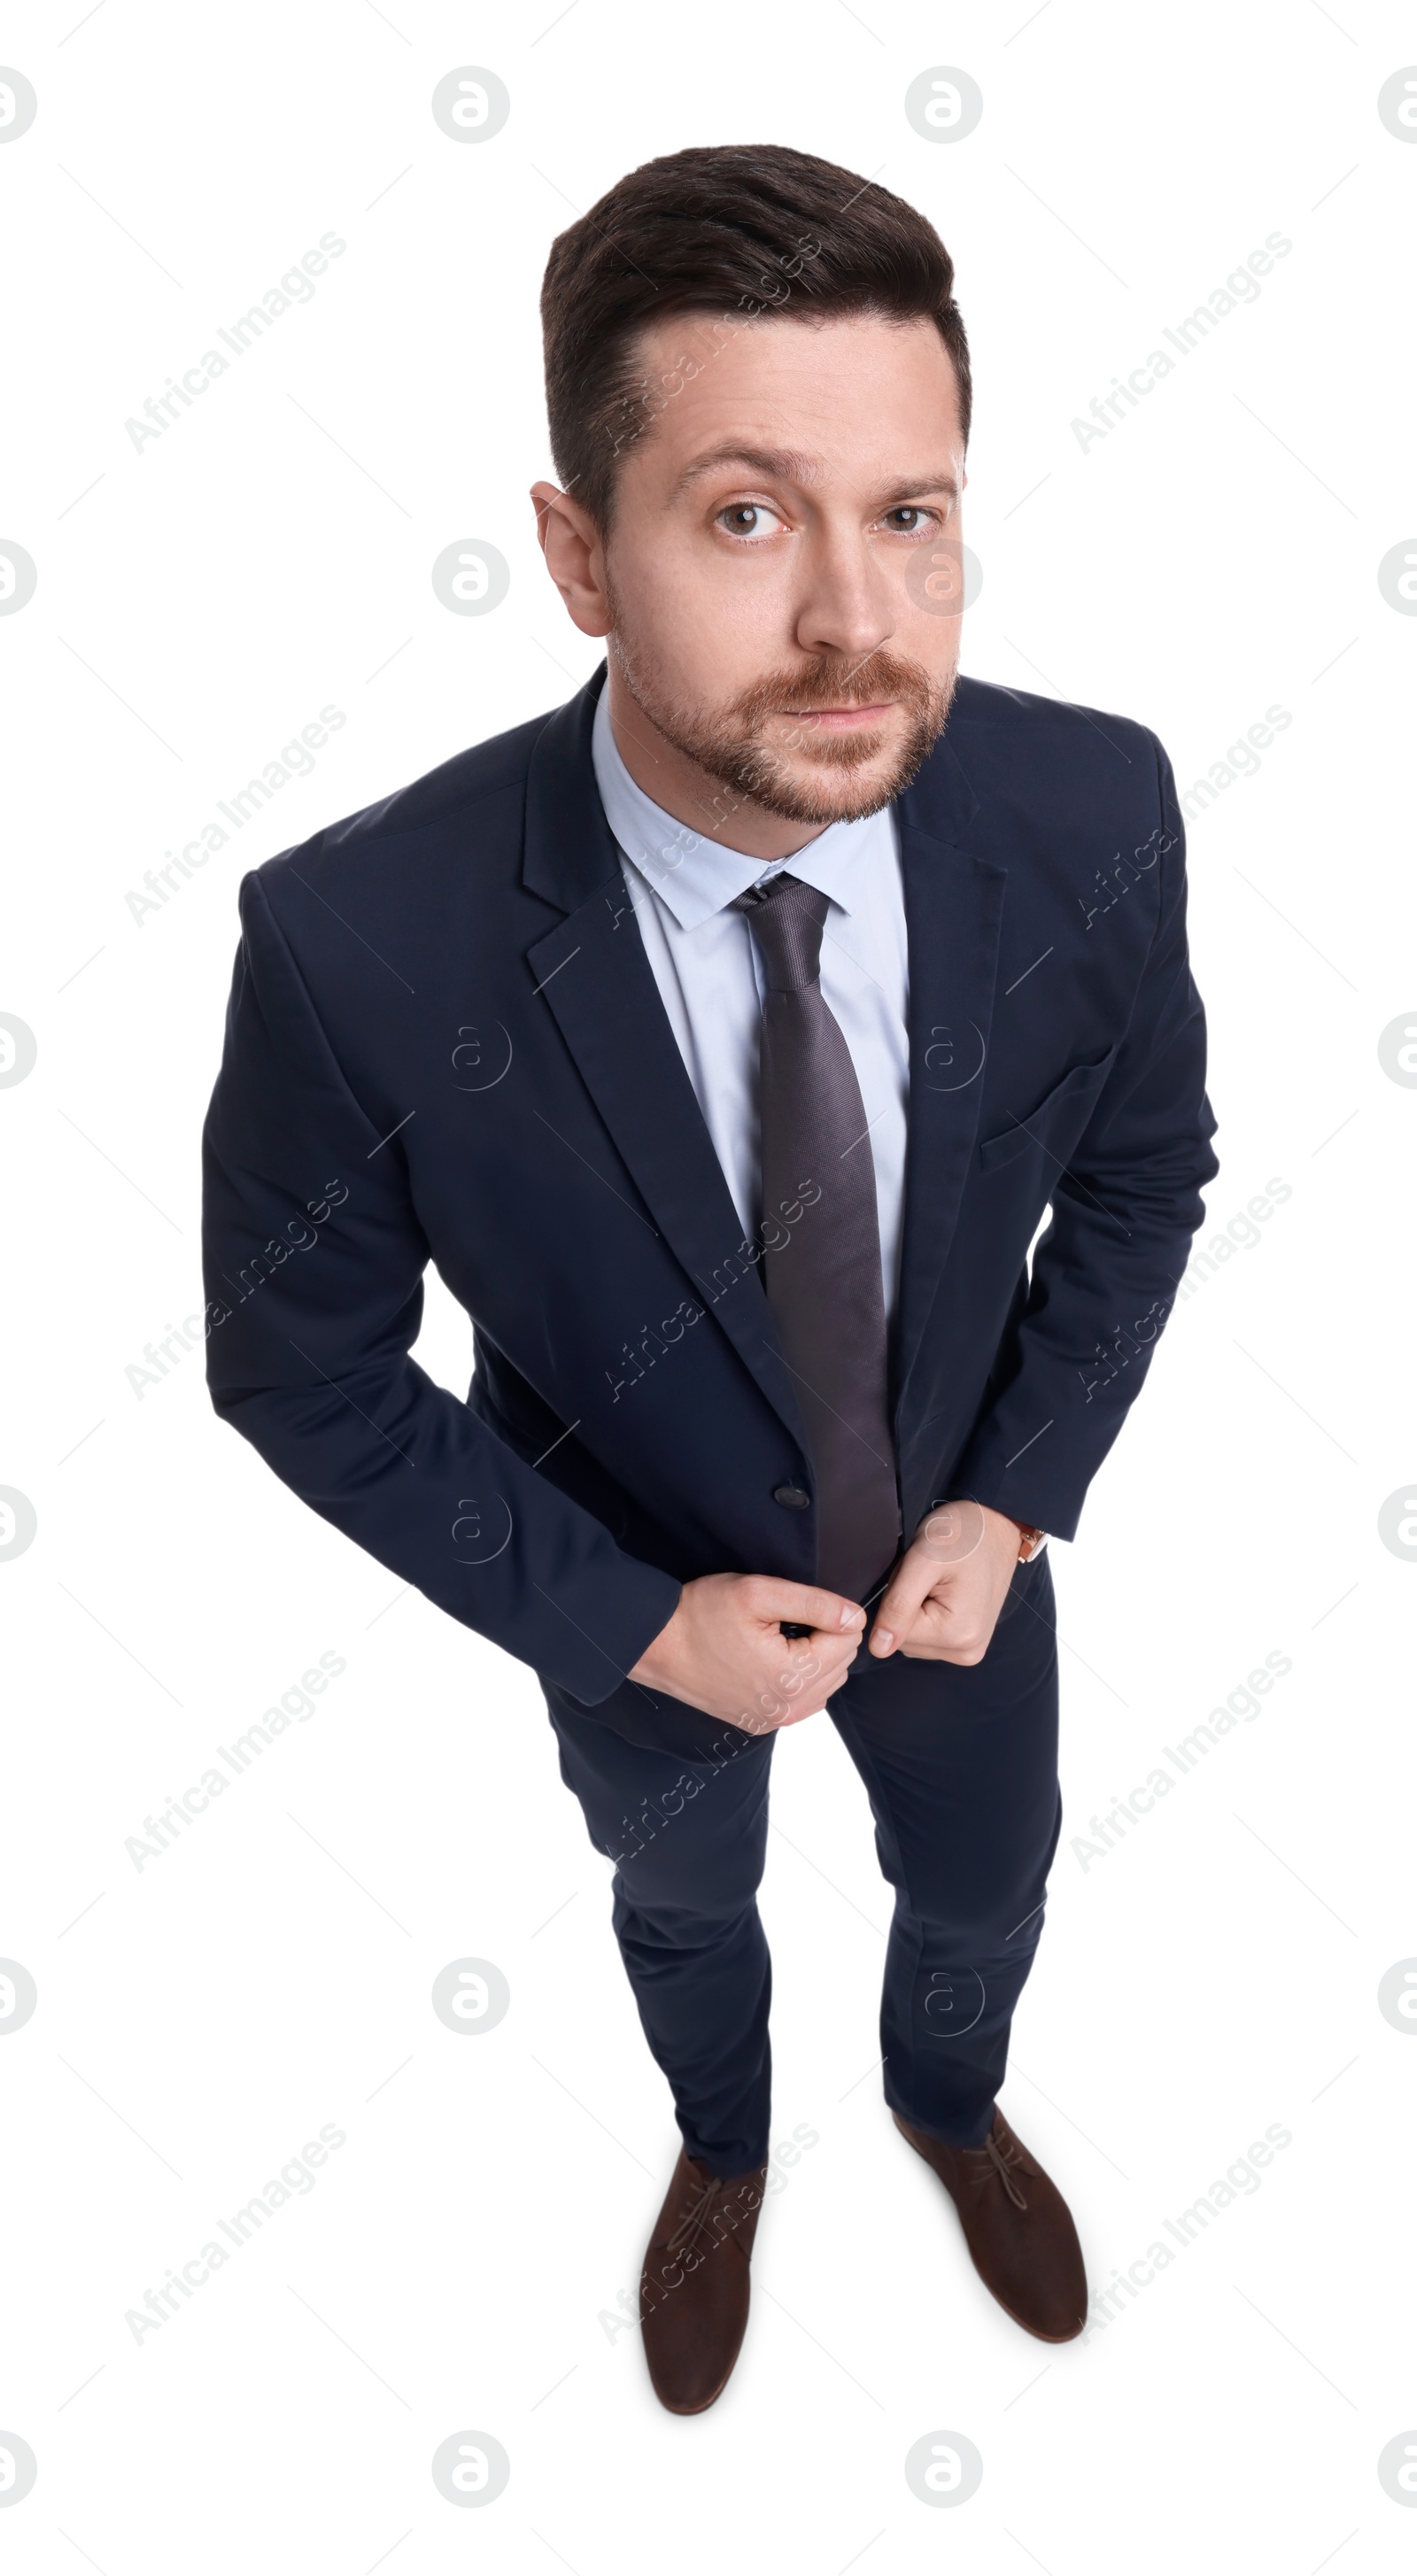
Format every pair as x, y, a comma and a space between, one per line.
1024, 1490
590, 1669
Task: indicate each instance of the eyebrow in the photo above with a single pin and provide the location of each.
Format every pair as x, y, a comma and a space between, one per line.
789, 465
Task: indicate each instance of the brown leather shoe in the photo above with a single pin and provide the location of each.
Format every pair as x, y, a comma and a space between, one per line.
1018, 2228
694, 2286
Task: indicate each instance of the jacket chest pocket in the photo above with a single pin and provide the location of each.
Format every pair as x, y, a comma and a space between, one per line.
1059, 1117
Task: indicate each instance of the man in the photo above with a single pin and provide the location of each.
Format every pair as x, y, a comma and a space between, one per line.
724, 1037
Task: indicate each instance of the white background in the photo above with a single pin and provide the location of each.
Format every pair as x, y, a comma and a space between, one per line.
457, 2263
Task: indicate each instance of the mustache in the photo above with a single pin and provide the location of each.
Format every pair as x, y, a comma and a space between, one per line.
836, 680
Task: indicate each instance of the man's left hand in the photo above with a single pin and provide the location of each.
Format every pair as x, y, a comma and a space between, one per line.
945, 1595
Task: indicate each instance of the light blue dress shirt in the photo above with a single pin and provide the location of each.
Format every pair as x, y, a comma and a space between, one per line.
705, 962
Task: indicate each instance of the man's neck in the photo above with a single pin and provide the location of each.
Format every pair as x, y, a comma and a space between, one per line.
693, 795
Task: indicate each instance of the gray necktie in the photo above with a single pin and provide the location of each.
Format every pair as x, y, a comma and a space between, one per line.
823, 1265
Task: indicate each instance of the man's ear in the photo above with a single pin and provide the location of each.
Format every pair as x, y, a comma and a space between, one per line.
575, 557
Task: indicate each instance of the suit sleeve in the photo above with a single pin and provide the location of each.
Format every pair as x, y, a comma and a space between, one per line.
314, 1258
1107, 1268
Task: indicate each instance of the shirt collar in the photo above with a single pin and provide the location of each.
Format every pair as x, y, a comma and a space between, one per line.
695, 877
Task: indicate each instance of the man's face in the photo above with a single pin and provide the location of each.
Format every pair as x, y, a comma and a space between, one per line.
783, 604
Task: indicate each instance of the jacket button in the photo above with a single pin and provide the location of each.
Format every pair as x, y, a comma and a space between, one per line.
793, 1498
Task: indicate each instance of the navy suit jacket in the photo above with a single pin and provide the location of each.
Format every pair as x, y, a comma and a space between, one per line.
444, 1042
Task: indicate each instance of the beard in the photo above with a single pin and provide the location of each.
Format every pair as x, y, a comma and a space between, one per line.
806, 776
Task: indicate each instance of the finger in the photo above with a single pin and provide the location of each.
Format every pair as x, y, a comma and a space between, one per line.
800, 1660
804, 1605
805, 1686
817, 1673
785, 1708
914, 1579
950, 1633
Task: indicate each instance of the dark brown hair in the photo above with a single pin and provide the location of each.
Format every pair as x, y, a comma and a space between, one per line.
735, 230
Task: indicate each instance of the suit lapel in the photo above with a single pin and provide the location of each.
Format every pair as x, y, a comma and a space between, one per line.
594, 977
954, 907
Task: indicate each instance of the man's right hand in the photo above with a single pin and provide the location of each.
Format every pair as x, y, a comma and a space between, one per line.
724, 1651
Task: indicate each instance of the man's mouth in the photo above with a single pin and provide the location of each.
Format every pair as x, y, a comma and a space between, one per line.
845, 719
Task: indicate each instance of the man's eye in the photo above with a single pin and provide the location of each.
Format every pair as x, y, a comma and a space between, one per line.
909, 510
749, 519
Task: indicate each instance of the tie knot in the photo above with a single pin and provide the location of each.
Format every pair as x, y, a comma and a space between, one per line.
787, 919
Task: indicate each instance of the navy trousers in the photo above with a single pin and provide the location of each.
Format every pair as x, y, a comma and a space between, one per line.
960, 1766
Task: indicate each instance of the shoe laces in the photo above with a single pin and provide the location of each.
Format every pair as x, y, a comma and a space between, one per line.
1004, 2161
695, 2216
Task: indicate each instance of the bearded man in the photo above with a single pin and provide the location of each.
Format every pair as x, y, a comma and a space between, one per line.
725, 1037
